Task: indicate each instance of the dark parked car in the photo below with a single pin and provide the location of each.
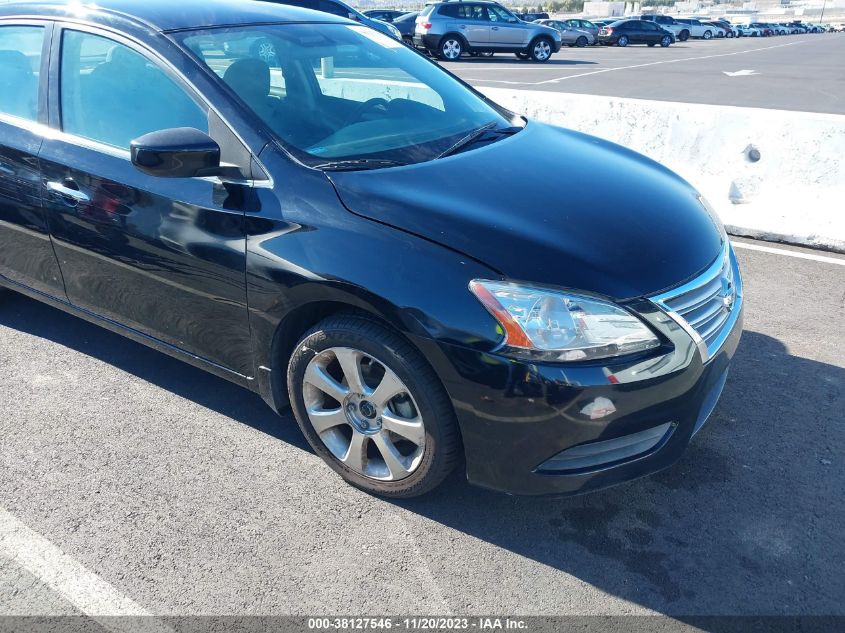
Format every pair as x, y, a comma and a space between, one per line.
624, 32
530, 17
385, 15
341, 9
406, 24
391, 257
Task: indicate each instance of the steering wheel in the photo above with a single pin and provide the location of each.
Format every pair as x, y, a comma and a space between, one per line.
365, 107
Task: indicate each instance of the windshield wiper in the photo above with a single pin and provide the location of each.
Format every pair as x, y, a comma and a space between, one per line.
476, 134
358, 163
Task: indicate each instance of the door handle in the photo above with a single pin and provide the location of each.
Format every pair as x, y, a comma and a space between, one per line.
462, 26
62, 190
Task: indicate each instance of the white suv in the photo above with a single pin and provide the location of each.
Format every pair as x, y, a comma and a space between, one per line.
681, 31
697, 29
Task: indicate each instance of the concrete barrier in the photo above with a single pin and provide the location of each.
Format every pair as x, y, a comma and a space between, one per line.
770, 174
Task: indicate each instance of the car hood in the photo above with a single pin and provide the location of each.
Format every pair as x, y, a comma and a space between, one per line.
549, 206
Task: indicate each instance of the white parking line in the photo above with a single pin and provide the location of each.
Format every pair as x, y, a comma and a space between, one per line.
666, 61
86, 591
788, 253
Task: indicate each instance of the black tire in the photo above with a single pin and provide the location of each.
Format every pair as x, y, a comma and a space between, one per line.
450, 49
541, 50
665, 41
581, 42
622, 41
443, 449
683, 35
708, 35
651, 44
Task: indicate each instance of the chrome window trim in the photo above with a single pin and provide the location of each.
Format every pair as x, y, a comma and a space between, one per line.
714, 271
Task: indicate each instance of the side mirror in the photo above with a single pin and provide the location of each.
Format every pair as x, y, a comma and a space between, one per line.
181, 152
354, 16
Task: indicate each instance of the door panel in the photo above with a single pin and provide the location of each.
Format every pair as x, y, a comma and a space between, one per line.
163, 256
472, 23
26, 254
504, 33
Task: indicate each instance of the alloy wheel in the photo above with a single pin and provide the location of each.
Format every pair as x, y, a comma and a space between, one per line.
364, 414
267, 52
542, 51
451, 49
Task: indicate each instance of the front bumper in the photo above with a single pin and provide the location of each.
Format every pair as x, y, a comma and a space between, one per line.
531, 428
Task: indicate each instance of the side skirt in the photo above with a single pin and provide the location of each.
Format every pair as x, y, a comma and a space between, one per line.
130, 333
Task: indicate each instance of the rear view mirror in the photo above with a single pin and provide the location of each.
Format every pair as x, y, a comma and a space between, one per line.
181, 152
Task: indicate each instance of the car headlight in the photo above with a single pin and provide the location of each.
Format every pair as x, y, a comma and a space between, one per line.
394, 31
558, 326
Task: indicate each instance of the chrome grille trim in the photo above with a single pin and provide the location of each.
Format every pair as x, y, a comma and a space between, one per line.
708, 306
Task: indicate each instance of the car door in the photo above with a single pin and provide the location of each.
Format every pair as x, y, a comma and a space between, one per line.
165, 257
505, 29
649, 32
26, 253
473, 24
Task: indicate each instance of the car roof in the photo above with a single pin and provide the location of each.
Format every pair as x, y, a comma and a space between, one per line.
168, 16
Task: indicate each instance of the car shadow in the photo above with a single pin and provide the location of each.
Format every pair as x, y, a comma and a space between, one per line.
38, 319
747, 522
505, 61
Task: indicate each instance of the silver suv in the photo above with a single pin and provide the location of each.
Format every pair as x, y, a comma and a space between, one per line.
448, 29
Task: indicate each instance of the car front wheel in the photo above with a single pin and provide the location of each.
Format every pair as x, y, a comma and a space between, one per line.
372, 408
665, 41
581, 42
541, 50
708, 35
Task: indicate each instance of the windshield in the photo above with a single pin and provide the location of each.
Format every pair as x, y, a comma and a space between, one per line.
337, 92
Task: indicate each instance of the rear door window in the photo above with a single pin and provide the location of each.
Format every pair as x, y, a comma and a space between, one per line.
20, 65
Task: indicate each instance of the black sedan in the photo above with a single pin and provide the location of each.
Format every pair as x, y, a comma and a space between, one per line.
624, 32
344, 228
406, 24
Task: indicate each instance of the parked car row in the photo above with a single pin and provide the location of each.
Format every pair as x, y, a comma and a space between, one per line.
653, 29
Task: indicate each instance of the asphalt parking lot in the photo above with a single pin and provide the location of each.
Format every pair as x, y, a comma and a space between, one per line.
147, 486
790, 72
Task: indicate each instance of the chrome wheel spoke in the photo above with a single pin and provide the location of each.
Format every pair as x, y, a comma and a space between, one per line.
317, 377
354, 457
392, 458
324, 419
350, 363
412, 430
389, 387
366, 427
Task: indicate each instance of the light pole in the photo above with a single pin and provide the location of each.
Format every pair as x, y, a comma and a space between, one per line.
821, 17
